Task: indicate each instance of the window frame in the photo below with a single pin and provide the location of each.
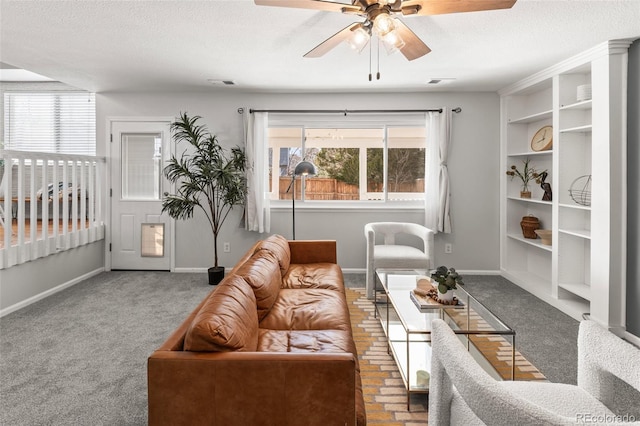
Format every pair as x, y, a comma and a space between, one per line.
384, 122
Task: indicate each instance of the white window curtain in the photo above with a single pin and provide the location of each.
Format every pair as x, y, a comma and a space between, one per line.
258, 212
437, 216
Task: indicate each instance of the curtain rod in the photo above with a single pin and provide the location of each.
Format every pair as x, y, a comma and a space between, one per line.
345, 111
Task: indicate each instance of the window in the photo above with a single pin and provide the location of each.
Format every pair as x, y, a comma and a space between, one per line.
364, 163
57, 122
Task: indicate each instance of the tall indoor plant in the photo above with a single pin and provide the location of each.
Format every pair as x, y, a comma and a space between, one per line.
205, 177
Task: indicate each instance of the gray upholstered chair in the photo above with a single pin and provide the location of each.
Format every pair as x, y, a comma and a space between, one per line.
462, 393
392, 255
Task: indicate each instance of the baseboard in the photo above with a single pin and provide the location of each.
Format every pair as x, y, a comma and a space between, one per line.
44, 294
461, 271
192, 270
354, 270
632, 338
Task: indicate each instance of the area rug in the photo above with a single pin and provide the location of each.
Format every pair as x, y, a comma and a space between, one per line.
384, 392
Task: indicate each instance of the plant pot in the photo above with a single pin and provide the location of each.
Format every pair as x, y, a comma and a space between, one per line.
446, 297
216, 274
525, 194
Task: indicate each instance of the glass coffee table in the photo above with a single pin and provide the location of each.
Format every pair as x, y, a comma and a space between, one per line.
408, 330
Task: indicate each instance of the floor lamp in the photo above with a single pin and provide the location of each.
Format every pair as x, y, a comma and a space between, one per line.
304, 168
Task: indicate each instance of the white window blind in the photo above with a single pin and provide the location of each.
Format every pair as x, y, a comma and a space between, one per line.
57, 122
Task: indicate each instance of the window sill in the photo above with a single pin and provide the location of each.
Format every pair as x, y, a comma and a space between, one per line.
341, 206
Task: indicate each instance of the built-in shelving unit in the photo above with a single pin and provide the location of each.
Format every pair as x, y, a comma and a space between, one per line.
583, 270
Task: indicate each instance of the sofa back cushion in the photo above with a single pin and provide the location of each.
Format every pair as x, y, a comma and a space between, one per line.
279, 247
262, 272
228, 321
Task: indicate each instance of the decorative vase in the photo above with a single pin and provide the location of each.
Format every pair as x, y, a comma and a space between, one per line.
446, 297
525, 194
529, 224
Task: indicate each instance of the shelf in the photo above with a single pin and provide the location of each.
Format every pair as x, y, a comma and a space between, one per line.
582, 233
575, 207
532, 242
588, 241
530, 200
578, 129
533, 117
581, 290
578, 105
530, 153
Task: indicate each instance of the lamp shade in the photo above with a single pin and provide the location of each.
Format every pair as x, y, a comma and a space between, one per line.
305, 168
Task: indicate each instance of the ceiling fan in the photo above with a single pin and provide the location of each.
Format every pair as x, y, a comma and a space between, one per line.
380, 20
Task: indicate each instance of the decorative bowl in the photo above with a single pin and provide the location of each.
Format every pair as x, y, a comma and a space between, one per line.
545, 236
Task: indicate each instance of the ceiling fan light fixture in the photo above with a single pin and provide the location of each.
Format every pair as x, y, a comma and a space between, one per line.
383, 24
392, 42
359, 39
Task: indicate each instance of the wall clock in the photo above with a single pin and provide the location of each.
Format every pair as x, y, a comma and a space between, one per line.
542, 140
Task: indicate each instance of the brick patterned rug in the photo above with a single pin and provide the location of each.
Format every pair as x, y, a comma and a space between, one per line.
384, 392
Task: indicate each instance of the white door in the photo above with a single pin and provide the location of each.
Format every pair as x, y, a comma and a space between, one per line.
140, 232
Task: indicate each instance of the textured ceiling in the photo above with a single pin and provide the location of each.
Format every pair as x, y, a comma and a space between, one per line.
180, 45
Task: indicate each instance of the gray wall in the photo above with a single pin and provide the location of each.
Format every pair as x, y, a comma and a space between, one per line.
474, 169
633, 190
27, 280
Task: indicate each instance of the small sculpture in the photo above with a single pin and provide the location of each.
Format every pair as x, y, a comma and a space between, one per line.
545, 186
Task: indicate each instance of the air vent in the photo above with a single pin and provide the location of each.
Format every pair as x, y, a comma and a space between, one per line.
222, 82
441, 80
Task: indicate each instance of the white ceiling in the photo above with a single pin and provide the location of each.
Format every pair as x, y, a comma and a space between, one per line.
178, 45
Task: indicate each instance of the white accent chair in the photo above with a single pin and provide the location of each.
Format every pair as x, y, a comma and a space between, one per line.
392, 255
462, 393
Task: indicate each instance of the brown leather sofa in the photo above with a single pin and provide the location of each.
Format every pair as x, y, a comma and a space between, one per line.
271, 345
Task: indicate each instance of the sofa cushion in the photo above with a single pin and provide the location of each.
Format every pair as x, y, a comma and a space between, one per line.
314, 275
306, 341
262, 272
308, 309
279, 247
228, 321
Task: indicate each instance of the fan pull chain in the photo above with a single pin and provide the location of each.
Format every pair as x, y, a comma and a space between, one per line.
378, 59
370, 48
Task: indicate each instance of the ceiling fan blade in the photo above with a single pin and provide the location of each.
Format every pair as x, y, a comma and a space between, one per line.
413, 48
332, 41
439, 7
328, 6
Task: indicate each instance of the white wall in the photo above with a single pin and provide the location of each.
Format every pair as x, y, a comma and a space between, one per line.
473, 166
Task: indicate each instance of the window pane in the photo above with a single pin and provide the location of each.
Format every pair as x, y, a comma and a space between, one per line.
285, 151
340, 156
141, 163
405, 175
350, 163
57, 122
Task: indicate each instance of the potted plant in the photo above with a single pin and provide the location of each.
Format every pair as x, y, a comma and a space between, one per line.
447, 279
528, 174
205, 177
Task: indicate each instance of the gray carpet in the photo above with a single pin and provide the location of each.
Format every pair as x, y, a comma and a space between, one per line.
79, 356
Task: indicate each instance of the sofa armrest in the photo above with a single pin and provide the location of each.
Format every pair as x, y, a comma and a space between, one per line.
313, 251
603, 357
243, 388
